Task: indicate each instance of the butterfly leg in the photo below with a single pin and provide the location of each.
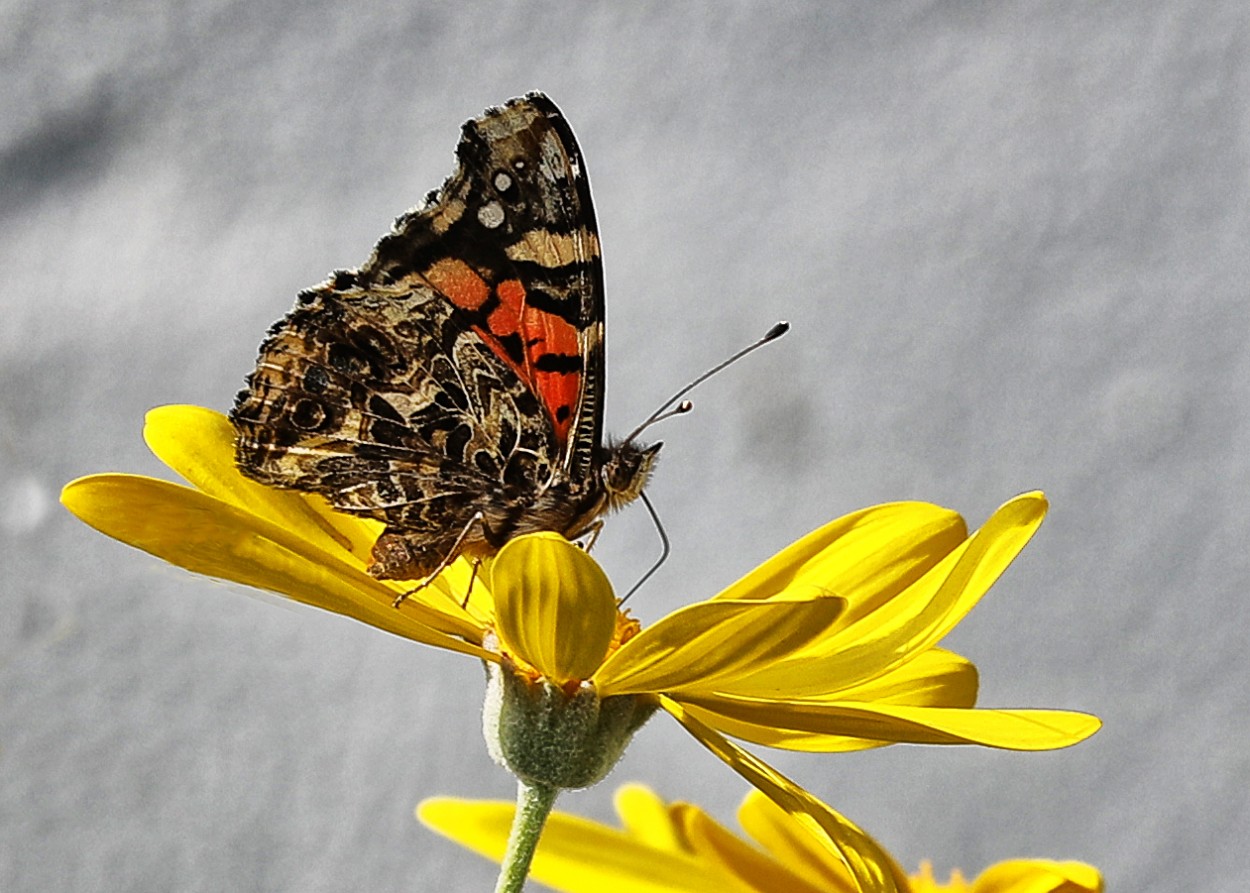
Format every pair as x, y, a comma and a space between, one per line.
593, 531
446, 561
477, 564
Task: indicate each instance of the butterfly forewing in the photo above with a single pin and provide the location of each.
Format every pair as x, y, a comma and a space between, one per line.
511, 240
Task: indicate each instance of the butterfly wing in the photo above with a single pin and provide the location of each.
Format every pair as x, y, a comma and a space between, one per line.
460, 369
511, 240
384, 403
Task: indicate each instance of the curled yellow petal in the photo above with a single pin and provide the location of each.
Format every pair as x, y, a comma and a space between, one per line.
869, 865
621, 863
990, 551
734, 857
707, 644
554, 606
919, 616
208, 536
796, 835
790, 844
645, 816
1039, 876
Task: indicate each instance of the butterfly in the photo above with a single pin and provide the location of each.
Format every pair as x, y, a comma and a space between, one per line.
452, 386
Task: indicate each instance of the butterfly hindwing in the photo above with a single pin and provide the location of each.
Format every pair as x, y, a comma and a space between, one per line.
412, 421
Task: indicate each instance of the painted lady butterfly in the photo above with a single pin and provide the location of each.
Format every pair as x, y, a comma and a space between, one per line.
452, 386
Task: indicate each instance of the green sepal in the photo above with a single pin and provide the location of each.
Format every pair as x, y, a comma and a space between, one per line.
549, 737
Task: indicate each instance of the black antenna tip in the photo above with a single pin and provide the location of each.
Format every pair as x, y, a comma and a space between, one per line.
685, 405
776, 331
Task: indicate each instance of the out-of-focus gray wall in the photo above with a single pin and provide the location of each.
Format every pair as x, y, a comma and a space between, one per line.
1011, 238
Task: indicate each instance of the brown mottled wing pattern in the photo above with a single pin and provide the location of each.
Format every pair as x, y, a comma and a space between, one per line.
459, 371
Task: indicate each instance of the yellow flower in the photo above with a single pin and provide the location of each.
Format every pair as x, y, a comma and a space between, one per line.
828, 646
678, 848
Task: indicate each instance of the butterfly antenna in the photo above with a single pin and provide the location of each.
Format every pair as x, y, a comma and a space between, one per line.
664, 553
665, 412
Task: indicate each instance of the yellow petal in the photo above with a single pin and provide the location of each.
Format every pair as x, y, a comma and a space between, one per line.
207, 536
554, 606
198, 444
990, 551
1039, 876
897, 723
933, 669
709, 643
935, 678
919, 616
792, 845
620, 863
780, 738
866, 557
870, 866
645, 817
734, 857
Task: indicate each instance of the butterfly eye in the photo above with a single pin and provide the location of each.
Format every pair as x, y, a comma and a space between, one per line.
627, 470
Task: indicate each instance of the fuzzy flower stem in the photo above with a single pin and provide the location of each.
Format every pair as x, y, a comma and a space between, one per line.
533, 804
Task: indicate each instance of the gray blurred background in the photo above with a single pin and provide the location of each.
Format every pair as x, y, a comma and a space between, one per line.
1012, 241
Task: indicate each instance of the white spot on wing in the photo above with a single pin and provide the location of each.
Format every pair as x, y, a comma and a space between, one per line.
490, 215
503, 182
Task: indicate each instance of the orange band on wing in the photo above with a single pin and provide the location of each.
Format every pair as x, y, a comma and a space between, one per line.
558, 379
458, 281
506, 318
544, 336
550, 353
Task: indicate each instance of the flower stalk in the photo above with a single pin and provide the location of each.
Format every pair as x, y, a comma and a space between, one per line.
533, 805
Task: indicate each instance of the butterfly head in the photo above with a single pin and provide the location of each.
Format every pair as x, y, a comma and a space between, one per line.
625, 471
